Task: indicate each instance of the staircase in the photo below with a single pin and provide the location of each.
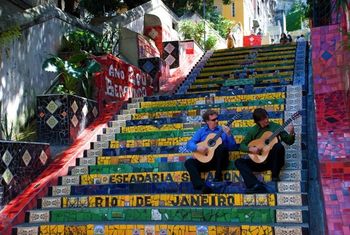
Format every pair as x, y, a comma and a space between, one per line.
132, 180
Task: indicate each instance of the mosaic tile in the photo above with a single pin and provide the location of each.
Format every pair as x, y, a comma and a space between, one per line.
7, 158
80, 170
26, 158
87, 161
289, 199
289, 216
70, 180
39, 216
279, 230
50, 202
7, 176
52, 107
289, 187
19, 165
33, 230
61, 190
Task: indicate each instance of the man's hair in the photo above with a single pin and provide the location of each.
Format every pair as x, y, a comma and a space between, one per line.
259, 114
208, 113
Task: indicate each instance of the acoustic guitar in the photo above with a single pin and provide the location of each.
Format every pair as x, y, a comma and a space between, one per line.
268, 140
212, 142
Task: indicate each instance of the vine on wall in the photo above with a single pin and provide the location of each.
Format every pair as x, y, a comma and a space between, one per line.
7, 36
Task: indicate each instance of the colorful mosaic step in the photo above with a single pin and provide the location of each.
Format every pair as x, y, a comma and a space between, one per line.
172, 200
238, 53
254, 90
290, 157
230, 176
231, 60
281, 68
153, 167
159, 229
249, 66
252, 57
101, 187
237, 215
188, 120
215, 99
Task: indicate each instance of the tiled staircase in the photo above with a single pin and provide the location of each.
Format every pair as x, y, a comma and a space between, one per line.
133, 180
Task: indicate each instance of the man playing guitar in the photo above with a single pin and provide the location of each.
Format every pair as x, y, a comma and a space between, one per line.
274, 158
220, 158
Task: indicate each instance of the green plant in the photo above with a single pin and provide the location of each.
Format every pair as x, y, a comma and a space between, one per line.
9, 35
191, 30
210, 42
75, 73
83, 40
5, 129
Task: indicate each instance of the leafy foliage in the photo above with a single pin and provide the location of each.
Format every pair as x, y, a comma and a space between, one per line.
6, 130
9, 35
191, 30
298, 13
75, 71
219, 23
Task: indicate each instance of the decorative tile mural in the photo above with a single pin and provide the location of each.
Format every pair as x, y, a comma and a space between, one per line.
156, 68
171, 53
331, 85
61, 118
20, 164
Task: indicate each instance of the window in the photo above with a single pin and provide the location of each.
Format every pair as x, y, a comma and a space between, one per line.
233, 9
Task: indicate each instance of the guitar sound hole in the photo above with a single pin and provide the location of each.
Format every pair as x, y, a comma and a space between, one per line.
211, 143
267, 142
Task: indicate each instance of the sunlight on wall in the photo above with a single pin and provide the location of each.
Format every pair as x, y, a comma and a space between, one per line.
13, 105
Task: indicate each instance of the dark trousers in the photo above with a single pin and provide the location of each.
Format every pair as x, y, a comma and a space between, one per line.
273, 162
218, 163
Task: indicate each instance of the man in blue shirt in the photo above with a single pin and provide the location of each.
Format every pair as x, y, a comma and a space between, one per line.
220, 158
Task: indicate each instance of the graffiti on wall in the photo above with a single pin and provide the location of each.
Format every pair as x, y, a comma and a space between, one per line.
119, 81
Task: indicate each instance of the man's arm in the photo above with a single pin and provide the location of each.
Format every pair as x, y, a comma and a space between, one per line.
196, 138
247, 139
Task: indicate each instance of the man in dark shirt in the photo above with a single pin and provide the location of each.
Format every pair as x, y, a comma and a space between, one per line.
275, 158
220, 159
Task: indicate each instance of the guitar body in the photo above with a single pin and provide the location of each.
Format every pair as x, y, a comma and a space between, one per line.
204, 158
261, 144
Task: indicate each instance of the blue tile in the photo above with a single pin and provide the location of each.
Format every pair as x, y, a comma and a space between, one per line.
326, 55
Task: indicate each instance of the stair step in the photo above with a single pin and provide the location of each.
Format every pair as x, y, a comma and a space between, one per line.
243, 215
291, 156
154, 167
103, 188
163, 228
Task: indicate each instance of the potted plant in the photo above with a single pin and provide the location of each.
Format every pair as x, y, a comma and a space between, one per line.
69, 107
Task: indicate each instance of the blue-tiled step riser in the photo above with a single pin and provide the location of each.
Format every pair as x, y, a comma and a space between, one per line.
157, 167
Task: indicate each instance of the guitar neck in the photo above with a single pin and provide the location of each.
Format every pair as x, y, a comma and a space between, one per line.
280, 129
228, 124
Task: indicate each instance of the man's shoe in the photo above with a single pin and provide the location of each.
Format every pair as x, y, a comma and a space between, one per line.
257, 188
